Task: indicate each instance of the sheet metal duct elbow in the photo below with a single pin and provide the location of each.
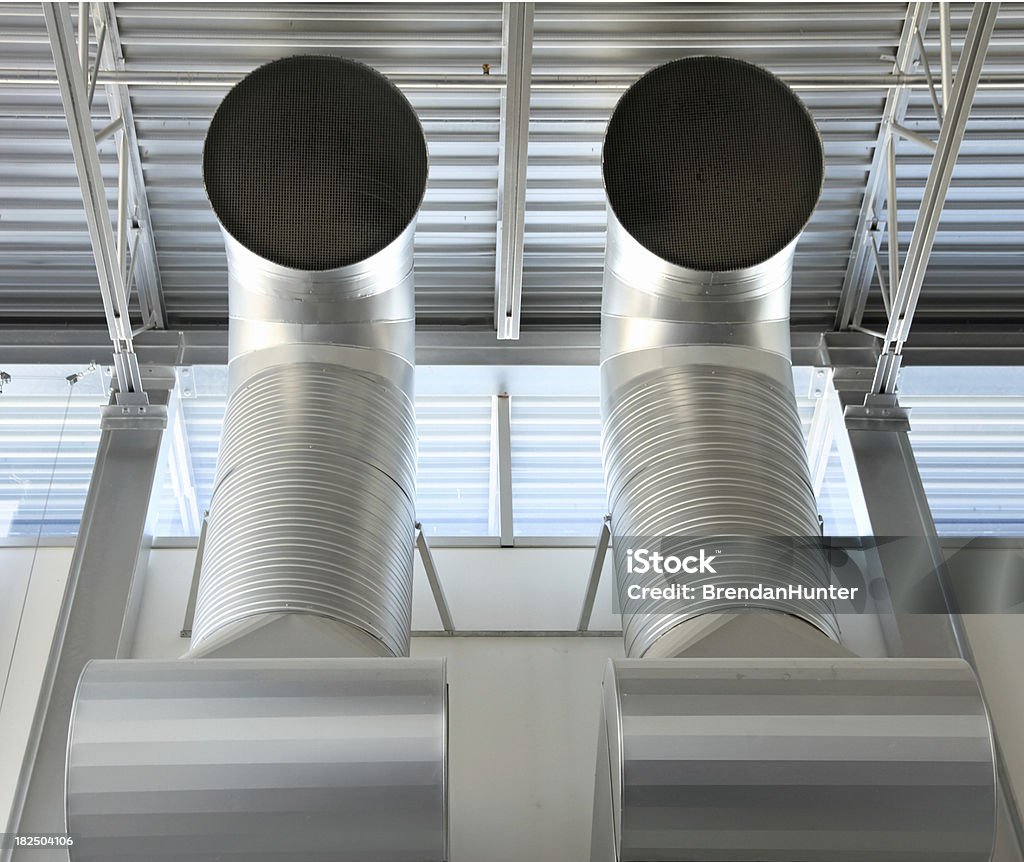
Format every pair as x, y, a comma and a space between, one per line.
290, 738
712, 168
315, 167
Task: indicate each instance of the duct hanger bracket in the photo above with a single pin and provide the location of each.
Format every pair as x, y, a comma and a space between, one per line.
878, 413
434, 580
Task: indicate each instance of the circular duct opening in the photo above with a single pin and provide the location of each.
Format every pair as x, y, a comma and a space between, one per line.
315, 162
712, 163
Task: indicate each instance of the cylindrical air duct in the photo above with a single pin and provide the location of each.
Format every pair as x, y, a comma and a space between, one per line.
315, 167
259, 760
794, 760
712, 167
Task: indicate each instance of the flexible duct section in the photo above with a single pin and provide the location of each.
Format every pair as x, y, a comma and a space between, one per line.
316, 167
712, 168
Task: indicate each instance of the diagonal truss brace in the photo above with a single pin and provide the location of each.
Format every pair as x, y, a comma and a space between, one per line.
857, 281
906, 295
143, 245
71, 78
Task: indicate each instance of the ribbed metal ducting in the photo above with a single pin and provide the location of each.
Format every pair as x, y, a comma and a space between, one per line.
712, 168
316, 167
308, 508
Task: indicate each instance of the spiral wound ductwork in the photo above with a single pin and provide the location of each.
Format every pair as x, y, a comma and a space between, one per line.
315, 167
712, 168
290, 737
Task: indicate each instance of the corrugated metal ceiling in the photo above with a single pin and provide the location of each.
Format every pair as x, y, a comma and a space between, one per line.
46, 270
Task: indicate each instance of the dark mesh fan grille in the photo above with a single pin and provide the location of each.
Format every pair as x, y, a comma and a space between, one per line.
712, 163
315, 162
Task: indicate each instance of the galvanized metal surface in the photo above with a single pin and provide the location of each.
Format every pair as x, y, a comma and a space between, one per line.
702, 439
313, 510
306, 760
48, 273
711, 453
795, 760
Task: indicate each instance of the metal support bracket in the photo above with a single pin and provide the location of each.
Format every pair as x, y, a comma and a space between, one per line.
501, 469
877, 413
70, 67
857, 280
430, 568
193, 590
148, 417
596, 567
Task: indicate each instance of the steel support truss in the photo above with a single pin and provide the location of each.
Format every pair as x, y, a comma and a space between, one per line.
901, 286
857, 281
146, 267
907, 289
76, 86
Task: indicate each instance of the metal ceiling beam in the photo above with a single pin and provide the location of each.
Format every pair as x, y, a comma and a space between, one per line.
930, 346
212, 79
74, 96
905, 296
859, 267
517, 63
143, 245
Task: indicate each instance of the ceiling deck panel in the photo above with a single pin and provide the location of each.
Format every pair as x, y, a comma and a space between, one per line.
46, 272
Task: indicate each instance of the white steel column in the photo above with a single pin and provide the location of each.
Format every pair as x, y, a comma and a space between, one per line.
98, 614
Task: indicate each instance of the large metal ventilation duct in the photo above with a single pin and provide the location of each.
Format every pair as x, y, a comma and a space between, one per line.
315, 167
759, 738
284, 735
259, 760
712, 168
793, 760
